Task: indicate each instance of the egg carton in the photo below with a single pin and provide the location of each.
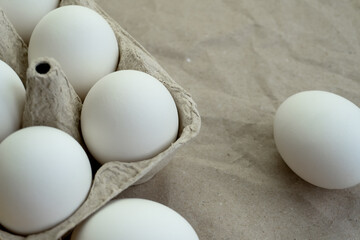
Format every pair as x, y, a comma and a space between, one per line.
51, 101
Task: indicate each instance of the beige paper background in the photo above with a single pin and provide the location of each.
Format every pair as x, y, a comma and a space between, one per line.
240, 59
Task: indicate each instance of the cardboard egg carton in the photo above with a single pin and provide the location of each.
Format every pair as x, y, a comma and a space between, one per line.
50, 91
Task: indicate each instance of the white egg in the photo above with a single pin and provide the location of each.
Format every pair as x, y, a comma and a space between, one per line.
25, 14
45, 175
128, 116
318, 134
135, 219
12, 100
81, 40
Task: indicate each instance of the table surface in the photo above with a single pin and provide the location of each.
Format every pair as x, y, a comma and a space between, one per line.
240, 59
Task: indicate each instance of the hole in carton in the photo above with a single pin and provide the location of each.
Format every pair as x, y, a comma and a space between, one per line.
43, 68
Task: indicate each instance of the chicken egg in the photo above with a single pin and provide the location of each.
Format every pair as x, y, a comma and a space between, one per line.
25, 14
317, 134
45, 175
81, 40
135, 219
12, 100
128, 116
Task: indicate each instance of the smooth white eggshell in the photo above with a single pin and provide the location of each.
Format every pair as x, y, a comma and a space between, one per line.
12, 100
135, 219
317, 134
25, 14
81, 40
45, 175
128, 116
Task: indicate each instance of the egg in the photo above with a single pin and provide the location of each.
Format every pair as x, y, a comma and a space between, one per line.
45, 175
12, 100
317, 133
25, 14
135, 219
81, 40
128, 116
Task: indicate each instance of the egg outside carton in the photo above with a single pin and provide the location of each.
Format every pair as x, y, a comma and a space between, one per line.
113, 177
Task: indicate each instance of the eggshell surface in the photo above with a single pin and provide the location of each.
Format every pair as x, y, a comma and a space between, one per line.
25, 14
45, 175
317, 134
12, 100
128, 116
81, 40
135, 219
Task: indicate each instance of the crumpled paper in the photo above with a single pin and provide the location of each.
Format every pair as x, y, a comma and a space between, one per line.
241, 59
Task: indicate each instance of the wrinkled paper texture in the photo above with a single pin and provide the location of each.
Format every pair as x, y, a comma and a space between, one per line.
240, 59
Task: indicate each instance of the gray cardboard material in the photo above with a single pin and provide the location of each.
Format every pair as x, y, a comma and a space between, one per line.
13, 50
113, 177
51, 100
